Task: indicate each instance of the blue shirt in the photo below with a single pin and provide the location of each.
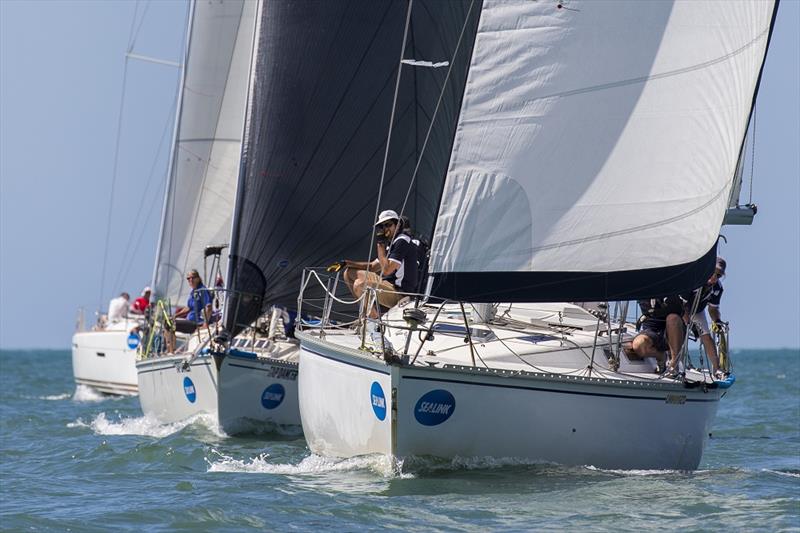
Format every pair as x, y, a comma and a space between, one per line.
199, 298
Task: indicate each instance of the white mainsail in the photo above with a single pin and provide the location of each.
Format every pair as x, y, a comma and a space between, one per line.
205, 165
599, 138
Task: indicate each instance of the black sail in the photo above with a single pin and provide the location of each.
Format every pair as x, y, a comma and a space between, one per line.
322, 94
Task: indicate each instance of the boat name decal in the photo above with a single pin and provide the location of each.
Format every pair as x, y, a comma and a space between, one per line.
676, 399
133, 341
273, 396
189, 390
378, 400
278, 372
434, 407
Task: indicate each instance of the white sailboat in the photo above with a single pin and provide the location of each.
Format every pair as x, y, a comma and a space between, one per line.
104, 358
249, 383
593, 159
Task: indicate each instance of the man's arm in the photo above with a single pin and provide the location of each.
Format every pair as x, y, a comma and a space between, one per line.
713, 312
387, 266
373, 266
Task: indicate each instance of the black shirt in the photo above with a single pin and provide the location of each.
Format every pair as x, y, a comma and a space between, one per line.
403, 251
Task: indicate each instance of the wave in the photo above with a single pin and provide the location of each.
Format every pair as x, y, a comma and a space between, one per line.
86, 394
145, 426
789, 472
53, 397
383, 465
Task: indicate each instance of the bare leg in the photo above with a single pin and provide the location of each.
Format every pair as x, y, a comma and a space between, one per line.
642, 346
711, 351
675, 333
349, 275
359, 286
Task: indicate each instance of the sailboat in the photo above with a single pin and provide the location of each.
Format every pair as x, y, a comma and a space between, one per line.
593, 159
312, 146
196, 226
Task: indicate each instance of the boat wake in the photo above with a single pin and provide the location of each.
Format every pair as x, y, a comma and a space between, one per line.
54, 397
382, 465
640, 472
144, 426
789, 472
86, 394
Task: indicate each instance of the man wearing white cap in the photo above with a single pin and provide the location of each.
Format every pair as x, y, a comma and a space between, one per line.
141, 303
396, 264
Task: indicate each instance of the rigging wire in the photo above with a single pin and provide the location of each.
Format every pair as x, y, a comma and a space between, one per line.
128, 250
436, 109
391, 125
753, 154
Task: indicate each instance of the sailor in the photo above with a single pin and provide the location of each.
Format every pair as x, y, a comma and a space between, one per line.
710, 295
198, 310
118, 308
662, 328
393, 273
141, 303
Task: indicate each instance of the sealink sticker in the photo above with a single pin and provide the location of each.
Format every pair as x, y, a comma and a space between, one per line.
378, 400
188, 390
133, 341
434, 407
273, 396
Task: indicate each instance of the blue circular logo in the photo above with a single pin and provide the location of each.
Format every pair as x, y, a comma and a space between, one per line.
188, 390
378, 400
434, 407
273, 396
133, 341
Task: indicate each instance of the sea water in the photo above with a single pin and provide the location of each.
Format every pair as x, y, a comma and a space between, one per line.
73, 460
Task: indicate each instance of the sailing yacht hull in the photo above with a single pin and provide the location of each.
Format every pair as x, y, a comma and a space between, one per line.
242, 393
351, 404
105, 361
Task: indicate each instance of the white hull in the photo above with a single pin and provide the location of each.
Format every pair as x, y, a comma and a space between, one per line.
104, 361
243, 392
572, 420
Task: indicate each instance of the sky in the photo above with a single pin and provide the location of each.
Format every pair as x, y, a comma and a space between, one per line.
61, 86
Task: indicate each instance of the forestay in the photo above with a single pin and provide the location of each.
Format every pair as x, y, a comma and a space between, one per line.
596, 147
205, 165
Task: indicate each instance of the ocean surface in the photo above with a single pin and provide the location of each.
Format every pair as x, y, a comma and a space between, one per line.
71, 460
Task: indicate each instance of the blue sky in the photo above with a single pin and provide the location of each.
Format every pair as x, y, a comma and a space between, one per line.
61, 70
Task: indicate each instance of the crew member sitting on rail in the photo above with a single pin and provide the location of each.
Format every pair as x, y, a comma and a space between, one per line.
396, 262
198, 310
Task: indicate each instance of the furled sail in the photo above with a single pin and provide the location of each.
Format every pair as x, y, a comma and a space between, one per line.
596, 147
206, 158
321, 100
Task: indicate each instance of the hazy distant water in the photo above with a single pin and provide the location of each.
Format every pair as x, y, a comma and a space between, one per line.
75, 461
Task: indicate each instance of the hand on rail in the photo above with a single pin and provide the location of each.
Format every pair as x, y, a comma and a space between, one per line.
337, 266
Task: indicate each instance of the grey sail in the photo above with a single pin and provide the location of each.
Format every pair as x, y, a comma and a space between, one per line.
321, 100
595, 151
206, 158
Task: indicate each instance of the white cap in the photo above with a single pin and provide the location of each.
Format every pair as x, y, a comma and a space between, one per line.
146, 290
387, 215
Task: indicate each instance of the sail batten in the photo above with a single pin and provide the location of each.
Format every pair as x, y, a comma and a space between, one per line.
594, 145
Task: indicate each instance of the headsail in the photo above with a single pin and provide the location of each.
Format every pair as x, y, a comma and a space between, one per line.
596, 148
205, 162
322, 95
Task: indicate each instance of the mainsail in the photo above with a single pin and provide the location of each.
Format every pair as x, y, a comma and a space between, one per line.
205, 162
322, 94
596, 147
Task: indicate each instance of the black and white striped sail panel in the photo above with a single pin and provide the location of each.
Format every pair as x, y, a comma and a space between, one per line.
206, 159
322, 96
596, 147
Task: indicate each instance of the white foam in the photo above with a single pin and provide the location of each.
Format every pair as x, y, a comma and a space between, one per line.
782, 473
635, 472
88, 394
55, 397
382, 465
143, 425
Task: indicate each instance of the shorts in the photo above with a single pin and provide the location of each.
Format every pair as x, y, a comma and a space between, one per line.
183, 325
655, 330
700, 323
386, 292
